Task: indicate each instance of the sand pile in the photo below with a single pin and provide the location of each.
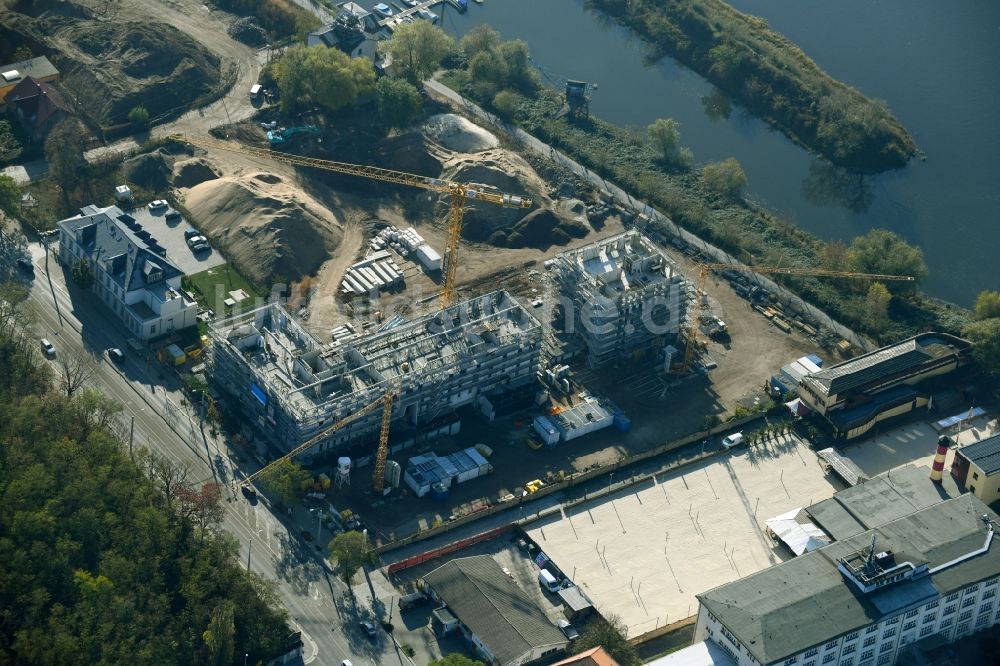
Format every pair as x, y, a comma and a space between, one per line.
503, 170
266, 226
189, 173
150, 170
458, 134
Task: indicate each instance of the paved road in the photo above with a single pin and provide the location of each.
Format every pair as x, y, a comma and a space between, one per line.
314, 597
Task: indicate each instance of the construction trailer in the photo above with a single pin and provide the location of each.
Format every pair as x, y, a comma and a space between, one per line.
625, 294
291, 386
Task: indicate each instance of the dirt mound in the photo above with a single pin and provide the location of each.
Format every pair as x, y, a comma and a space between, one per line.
109, 67
151, 170
508, 173
193, 172
268, 178
458, 134
267, 229
539, 229
409, 152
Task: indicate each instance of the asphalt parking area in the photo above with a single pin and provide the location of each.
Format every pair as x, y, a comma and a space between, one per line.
170, 235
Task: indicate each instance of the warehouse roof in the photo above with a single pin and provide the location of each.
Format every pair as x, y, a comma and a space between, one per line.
896, 360
807, 601
493, 607
985, 454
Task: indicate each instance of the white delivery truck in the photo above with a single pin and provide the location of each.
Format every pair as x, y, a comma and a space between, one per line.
548, 581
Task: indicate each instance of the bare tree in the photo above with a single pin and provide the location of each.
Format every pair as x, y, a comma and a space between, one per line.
74, 371
171, 479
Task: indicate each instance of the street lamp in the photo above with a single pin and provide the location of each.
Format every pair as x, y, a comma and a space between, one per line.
319, 526
245, 655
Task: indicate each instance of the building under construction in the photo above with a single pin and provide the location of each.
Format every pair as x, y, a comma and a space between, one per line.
292, 386
626, 296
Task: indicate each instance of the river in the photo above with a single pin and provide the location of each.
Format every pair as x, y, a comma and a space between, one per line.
935, 64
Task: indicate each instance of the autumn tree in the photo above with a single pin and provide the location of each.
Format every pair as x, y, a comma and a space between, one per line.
725, 178
987, 305
350, 549
10, 195
202, 505
320, 75
611, 635
64, 152
285, 481
876, 307
885, 252
417, 49
665, 137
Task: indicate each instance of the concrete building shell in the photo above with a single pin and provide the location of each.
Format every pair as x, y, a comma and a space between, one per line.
293, 386
626, 294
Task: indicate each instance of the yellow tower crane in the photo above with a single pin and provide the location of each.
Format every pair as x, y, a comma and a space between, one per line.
703, 270
459, 193
385, 401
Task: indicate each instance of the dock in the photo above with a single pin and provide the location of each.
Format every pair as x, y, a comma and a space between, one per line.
395, 19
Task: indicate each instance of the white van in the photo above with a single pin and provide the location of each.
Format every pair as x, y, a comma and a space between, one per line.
732, 441
255, 90
548, 581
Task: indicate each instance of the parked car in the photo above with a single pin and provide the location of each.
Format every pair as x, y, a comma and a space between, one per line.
173, 215
194, 240
269, 125
383, 10
249, 493
116, 355
48, 348
200, 247
158, 204
569, 631
412, 599
25, 265
732, 441
369, 629
190, 233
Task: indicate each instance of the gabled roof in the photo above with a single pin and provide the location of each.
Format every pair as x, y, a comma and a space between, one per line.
123, 255
985, 454
807, 601
597, 656
37, 101
886, 363
493, 607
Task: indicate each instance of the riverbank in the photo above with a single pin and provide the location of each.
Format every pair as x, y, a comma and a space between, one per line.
742, 228
771, 77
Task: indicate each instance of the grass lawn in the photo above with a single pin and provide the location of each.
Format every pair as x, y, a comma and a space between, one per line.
210, 287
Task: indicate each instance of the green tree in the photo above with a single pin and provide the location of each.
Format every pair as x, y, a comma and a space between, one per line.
417, 49
506, 103
611, 636
220, 635
725, 178
139, 117
82, 274
350, 549
456, 659
398, 101
985, 336
64, 153
480, 38
285, 480
987, 305
505, 66
885, 252
10, 195
664, 136
323, 76
876, 308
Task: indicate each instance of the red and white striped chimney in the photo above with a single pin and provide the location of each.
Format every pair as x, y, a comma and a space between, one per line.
938, 467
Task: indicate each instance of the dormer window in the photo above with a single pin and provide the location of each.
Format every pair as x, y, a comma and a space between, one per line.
152, 272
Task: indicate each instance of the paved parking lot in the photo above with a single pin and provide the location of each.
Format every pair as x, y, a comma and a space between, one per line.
645, 552
170, 235
913, 443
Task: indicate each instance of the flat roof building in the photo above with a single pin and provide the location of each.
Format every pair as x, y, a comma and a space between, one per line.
293, 387
863, 599
499, 619
977, 468
625, 296
856, 394
40, 69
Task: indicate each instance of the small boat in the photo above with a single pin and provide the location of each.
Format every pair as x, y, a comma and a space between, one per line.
478, 2
410, 3
382, 9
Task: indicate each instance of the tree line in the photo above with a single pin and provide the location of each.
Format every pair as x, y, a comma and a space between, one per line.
109, 555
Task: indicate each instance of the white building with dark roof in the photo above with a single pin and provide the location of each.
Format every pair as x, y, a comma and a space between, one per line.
505, 627
856, 394
132, 275
976, 467
929, 571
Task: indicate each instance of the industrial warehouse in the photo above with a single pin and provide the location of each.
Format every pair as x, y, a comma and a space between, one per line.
293, 386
